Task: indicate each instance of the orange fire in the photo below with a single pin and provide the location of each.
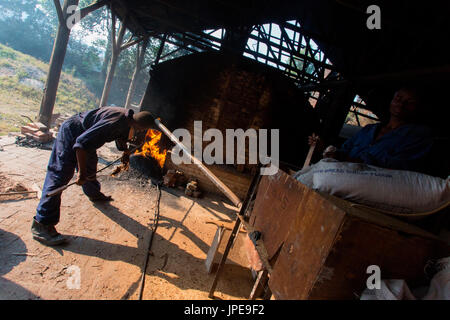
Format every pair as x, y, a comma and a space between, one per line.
150, 148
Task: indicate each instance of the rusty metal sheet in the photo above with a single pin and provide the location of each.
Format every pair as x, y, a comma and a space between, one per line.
276, 206
361, 244
328, 250
310, 238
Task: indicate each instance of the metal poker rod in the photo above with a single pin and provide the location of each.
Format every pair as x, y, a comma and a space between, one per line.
219, 184
61, 189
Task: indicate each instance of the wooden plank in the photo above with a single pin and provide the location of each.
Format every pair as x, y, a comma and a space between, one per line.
224, 258
212, 252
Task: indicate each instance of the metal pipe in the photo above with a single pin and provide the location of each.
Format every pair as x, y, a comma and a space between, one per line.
219, 184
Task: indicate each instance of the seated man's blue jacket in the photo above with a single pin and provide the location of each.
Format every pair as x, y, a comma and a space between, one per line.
404, 148
102, 125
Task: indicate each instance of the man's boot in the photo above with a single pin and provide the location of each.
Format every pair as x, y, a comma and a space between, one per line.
46, 234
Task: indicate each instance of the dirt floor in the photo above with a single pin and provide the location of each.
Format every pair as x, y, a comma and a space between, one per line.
108, 242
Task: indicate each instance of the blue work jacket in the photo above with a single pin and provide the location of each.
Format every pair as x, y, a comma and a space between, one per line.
102, 125
405, 148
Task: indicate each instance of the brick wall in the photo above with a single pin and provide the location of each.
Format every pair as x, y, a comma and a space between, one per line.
230, 92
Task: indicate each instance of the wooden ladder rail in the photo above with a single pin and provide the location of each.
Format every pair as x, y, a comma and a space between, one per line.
234, 232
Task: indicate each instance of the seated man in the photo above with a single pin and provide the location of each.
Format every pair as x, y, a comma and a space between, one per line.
400, 143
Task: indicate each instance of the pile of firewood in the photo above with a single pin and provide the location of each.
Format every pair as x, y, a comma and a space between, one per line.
177, 179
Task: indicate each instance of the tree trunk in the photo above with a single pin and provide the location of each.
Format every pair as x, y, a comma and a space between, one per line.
57, 58
108, 52
109, 79
139, 59
54, 73
156, 61
113, 63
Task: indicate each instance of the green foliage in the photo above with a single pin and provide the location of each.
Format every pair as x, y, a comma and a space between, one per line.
21, 74
18, 98
6, 52
5, 64
30, 26
10, 122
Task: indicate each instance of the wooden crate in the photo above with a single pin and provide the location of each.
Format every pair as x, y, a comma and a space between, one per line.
320, 246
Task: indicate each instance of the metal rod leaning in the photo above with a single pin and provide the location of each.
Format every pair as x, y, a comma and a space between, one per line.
219, 184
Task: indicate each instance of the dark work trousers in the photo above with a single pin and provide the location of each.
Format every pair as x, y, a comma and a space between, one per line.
60, 170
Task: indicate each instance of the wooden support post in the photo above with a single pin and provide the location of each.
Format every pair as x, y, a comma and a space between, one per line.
58, 55
160, 49
117, 48
140, 55
56, 63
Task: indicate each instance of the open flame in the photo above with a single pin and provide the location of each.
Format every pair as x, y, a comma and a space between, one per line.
151, 149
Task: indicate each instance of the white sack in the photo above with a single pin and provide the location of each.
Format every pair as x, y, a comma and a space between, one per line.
394, 190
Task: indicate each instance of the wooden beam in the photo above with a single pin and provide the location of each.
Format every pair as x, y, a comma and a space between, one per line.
160, 49
168, 40
286, 38
269, 47
55, 68
185, 39
92, 7
293, 53
313, 35
198, 37
286, 66
171, 53
202, 43
131, 42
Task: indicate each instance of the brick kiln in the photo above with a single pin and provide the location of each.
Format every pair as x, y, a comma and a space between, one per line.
229, 92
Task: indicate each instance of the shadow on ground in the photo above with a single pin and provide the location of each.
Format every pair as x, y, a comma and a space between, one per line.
159, 264
12, 252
